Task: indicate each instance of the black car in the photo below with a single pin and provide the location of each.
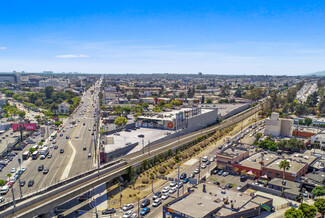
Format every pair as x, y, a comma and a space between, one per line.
67, 137
243, 178
30, 183
141, 136
40, 167
46, 171
157, 195
215, 172
92, 133
109, 211
22, 183
84, 148
216, 183
145, 202
56, 147
61, 151
183, 176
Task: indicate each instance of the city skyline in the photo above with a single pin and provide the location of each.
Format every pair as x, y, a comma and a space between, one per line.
185, 37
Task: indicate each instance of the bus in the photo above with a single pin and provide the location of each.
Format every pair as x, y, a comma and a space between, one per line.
35, 155
26, 155
53, 135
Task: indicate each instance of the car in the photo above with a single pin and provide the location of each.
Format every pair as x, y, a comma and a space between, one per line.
203, 166
172, 184
145, 211
24, 169
20, 172
13, 170
166, 189
89, 129
49, 156
2, 199
243, 178
92, 133
220, 147
61, 134
51, 146
30, 183
216, 183
183, 176
76, 136
215, 172
67, 137
225, 174
61, 151
10, 184
165, 196
127, 207
156, 195
196, 171
128, 214
56, 147
109, 211
145, 203
238, 188
64, 130
185, 180
208, 162
156, 202
180, 184
172, 190
54, 142
89, 154
84, 124
46, 171
220, 172
84, 148
211, 159
141, 136
229, 185
22, 183
192, 175
40, 167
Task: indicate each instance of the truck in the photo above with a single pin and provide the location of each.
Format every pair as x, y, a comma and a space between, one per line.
44, 152
35, 155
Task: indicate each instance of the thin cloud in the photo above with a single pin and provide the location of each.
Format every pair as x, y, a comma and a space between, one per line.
3, 48
72, 56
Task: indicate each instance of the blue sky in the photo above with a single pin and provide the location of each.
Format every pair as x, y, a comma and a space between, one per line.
213, 37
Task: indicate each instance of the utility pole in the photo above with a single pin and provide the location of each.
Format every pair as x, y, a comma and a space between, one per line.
178, 182
120, 194
13, 196
152, 185
21, 195
199, 170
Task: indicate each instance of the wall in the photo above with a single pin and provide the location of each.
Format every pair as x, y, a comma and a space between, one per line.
257, 172
286, 127
302, 134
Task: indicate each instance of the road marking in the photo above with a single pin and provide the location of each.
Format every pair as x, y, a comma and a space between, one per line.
67, 169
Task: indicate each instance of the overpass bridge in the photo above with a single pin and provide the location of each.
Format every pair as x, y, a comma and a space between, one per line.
43, 202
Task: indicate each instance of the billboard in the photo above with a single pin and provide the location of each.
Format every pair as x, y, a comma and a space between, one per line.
27, 126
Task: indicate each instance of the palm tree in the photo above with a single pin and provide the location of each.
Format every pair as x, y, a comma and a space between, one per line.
285, 165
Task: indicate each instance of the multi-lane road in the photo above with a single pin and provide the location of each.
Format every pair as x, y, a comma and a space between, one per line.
73, 161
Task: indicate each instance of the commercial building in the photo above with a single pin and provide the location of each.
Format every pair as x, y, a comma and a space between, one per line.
10, 77
266, 165
276, 126
226, 110
57, 83
231, 155
208, 200
185, 118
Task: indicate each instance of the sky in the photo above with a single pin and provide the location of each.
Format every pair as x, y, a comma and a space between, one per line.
213, 37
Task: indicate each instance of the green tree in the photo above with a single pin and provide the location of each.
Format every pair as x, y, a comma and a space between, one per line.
176, 103
273, 147
308, 121
320, 205
318, 191
238, 93
48, 92
22, 114
120, 121
169, 106
285, 165
293, 213
118, 110
9, 176
258, 136
209, 101
156, 108
9, 93
145, 105
301, 109
308, 210
54, 107
31, 150
2, 182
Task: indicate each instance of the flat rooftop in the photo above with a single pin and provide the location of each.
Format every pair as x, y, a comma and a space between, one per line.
170, 115
199, 203
232, 152
224, 109
120, 141
254, 160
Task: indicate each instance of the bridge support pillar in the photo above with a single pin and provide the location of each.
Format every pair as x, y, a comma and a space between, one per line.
46, 215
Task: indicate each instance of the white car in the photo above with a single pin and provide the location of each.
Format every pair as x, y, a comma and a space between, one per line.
156, 202
51, 146
172, 184
2, 199
197, 170
203, 166
127, 207
225, 173
128, 214
13, 170
166, 189
211, 159
172, 190
24, 169
165, 196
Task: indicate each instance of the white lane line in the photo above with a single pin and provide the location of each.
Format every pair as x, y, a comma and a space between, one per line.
67, 169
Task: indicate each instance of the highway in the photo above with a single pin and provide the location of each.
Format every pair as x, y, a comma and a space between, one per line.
72, 162
138, 157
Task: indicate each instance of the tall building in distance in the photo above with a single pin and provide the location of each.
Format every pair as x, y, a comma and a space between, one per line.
276, 126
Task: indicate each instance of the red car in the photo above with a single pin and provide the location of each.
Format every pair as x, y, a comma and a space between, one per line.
10, 184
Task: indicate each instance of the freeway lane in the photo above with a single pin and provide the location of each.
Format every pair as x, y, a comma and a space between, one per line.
58, 162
